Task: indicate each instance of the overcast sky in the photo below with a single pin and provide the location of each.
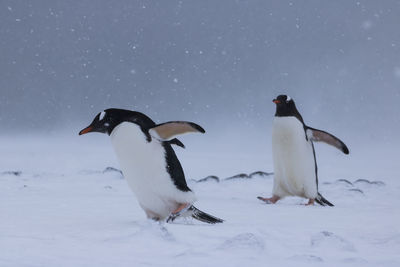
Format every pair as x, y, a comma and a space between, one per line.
212, 62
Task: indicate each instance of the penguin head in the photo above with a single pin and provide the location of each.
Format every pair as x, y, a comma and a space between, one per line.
283, 100
285, 107
107, 120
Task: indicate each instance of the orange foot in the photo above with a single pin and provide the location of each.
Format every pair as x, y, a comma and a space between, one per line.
176, 213
180, 208
310, 202
269, 200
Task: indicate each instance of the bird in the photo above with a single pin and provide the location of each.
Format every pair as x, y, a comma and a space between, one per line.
149, 163
293, 153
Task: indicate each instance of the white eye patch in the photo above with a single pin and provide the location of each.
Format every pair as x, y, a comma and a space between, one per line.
288, 98
102, 114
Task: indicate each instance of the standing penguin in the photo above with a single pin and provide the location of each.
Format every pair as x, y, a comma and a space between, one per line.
295, 165
149, 163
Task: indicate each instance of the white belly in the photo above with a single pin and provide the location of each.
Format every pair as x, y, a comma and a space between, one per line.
294, 166
144, 167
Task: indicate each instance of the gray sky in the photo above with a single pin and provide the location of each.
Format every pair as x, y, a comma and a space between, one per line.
212, 62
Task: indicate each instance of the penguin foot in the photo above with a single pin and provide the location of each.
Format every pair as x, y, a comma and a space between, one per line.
269, 200
178, 212
310, 202
181, 207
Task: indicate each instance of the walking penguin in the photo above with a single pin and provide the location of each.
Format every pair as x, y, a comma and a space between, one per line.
149, 163
295, 164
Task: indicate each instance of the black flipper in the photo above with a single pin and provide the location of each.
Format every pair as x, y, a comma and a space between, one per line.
323, 201
196, 214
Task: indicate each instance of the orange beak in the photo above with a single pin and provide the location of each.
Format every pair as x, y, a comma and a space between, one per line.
86, 130
276, 101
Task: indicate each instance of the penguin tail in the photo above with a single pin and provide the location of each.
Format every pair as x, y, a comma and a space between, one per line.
202, 216
323, 201
192, 211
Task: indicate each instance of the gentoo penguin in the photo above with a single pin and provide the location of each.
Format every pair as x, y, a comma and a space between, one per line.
149, 163
295, 165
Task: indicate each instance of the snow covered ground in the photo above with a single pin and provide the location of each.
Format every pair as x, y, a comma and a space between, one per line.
60, 206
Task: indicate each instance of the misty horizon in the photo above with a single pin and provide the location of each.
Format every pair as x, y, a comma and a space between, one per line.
214, 63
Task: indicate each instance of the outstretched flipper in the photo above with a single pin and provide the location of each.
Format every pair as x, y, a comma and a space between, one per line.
322, 136
168, 130
196, 214
323, 201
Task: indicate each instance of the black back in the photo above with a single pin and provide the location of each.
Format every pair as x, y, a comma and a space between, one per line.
174, 168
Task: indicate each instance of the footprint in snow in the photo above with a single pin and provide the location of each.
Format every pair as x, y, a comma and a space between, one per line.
12, 173
112, 169
355, 260
243, 241
308, 258
356, 190
105, 171
330, 241
144, 230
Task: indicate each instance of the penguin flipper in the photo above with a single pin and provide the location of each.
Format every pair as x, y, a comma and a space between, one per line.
322, 136
323, 201
196, 214
176, 142
168, 130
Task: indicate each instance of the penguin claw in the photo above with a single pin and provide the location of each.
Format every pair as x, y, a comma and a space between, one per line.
172, 217
175, 215
266, 200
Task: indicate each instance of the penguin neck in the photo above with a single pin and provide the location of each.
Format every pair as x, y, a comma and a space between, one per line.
289, 112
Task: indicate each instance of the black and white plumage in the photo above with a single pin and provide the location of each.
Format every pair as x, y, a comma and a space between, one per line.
149, 163
295, 165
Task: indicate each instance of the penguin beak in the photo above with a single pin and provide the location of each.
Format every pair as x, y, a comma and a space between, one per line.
86, 130
276, 101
